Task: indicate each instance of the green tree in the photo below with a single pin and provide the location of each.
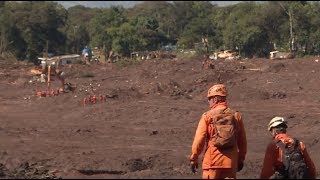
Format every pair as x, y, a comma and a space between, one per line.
11, 41
197, 25
313, 44
161, 12
124, 39
184, 14
197, 29
147, 28
100, 25
301, 25
242, 31
39, 22
273, 21
77, 27
218, 20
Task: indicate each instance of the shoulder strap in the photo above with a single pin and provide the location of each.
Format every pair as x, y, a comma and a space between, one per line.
296, 143
213, 112
282, 146
227, 109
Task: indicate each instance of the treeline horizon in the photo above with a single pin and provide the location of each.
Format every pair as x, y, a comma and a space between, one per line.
250, 28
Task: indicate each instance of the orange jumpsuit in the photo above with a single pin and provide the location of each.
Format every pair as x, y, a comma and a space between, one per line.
218, 164
273, 158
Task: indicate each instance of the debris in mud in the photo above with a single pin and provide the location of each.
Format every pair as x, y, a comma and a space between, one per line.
244, 79
155, 132
112, 95
298, 88
264, 95
91, 88
26, 98
92, 172
138, 164
275, 95
82, 131
34, 79
27, 171
279, 95
94, 99
174, 84
3, 170
291, 116
130, 92
177, 92
201, 80
207, 64
275, 67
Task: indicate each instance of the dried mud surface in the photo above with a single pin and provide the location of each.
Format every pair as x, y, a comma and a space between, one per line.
145, 127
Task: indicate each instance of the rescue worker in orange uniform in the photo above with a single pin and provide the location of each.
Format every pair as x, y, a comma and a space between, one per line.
218, 164
273, 156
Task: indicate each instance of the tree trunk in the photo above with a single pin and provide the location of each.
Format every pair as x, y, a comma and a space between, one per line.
2, 41
1, 44
292, 40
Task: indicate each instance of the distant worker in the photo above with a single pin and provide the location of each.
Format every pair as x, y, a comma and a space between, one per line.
87, 54
286, 157
54, 64
222, 130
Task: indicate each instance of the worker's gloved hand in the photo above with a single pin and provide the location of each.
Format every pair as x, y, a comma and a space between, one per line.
240, 165
194, 166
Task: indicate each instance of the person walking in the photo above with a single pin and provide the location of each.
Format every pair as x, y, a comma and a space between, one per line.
286, 157
222, 130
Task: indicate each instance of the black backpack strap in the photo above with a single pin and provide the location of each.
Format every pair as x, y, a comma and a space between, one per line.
285, 150
282, 146
296, 143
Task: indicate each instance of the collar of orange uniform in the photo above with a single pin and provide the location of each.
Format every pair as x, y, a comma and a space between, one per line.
281, 136
219, 104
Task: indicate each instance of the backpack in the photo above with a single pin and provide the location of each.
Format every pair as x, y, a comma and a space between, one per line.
224, 125
294, 165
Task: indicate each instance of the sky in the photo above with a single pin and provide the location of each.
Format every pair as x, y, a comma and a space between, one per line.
125, 4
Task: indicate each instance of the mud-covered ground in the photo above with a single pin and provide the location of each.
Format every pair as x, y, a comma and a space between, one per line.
145, 127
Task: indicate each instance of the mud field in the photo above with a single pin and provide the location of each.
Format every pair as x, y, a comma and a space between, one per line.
145, 127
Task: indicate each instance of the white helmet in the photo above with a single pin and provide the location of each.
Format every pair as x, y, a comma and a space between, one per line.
276, 121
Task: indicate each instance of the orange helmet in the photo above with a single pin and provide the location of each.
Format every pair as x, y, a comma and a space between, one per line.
217, 90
